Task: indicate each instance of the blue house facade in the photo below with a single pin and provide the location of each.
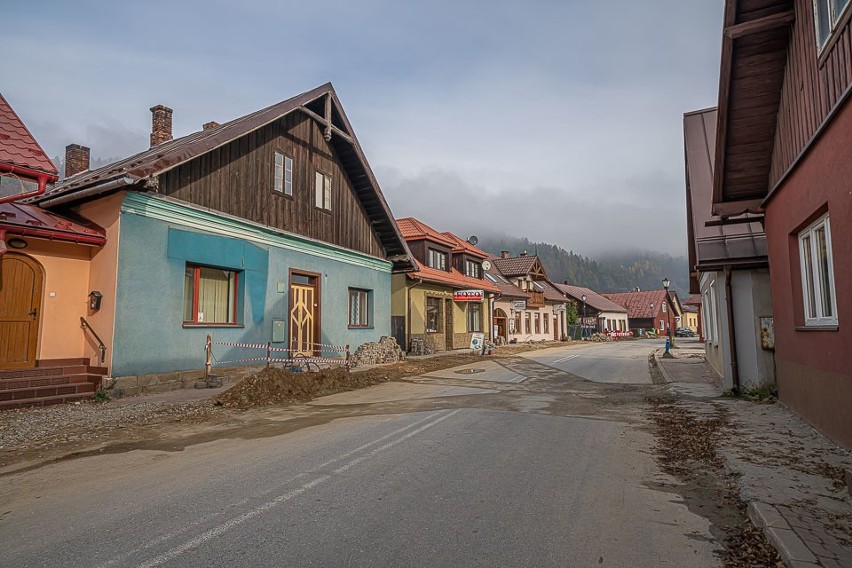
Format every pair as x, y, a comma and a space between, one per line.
269, 229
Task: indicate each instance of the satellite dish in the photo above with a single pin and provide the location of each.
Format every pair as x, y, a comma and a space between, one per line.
486, 265
473, 240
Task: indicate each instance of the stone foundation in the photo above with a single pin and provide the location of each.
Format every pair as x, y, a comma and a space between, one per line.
119, 387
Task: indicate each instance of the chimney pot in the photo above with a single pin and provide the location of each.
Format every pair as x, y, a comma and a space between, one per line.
504, 254
211, 124
76, 159
523, 253
161, 127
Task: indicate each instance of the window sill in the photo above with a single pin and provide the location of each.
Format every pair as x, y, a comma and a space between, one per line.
817, 328
192, 325
282, 194
323, 210
361, 327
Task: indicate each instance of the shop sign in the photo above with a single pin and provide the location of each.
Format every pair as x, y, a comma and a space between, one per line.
468, 295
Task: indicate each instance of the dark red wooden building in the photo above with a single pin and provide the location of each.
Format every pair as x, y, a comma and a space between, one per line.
784, 150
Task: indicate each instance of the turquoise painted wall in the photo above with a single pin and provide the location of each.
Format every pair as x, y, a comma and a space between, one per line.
149, 332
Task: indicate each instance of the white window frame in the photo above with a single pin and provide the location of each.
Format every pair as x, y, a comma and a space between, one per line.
835, 10
283, 175
812, 275
710, 314
437, 259
322, 188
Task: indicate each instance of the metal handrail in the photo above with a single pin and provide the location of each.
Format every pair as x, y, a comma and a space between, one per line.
86, 324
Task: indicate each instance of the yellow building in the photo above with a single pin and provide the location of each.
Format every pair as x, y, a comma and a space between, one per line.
446, 300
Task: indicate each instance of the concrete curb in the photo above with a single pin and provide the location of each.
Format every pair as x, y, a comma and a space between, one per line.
658, 361
780, 534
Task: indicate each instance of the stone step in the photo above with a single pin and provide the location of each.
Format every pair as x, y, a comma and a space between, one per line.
43, 401
34, 382
84, 388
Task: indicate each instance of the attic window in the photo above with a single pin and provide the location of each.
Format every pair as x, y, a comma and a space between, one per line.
323, 191
283, 174
827, 14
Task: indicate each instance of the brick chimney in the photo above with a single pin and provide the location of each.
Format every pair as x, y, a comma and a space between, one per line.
209, 125
504, 254
76, 159
161, 130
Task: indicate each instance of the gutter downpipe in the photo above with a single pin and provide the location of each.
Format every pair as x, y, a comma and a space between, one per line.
408, 290
732, 336
102, 188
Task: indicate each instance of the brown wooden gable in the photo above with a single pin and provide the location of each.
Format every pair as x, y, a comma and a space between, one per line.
754, 55
238, 179
815, 84
229, 168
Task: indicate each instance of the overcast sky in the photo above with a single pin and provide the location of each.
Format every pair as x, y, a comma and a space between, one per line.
560, 121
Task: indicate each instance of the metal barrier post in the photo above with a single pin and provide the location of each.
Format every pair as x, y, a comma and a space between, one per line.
347, 357
208, 348
268, 353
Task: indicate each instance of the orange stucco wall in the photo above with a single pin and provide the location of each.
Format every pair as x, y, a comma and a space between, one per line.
103, 272
70, 272
64, 300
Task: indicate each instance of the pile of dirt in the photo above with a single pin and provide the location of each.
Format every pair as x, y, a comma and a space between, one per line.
278, 386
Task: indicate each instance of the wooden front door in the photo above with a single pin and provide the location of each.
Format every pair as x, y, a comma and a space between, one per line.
500, 324
21, 280
304, 314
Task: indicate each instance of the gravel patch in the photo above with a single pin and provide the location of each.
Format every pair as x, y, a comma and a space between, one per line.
52, 425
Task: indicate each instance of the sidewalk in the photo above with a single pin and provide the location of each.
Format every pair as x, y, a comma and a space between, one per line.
792, 478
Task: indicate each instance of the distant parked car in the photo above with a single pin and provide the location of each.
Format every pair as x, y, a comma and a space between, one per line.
684, 332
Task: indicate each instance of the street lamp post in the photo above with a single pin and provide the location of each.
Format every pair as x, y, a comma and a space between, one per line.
583, 321
666, 284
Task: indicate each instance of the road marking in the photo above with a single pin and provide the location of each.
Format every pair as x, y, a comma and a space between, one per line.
567, 358
236, 521
173, 534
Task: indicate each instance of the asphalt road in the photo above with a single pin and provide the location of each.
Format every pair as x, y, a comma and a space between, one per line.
477, 472
616, 362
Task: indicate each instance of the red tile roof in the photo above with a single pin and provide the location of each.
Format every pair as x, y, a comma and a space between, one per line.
693, 300
453, 279
639, 304
593, 299
515, 266
18, 147
414, 230
462, 246
507, 289
33, 221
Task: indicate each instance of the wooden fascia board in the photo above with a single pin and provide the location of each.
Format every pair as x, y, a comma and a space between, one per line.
733, 208
725, 71
760, 25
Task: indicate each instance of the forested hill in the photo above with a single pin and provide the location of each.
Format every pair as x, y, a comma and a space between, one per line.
612, 273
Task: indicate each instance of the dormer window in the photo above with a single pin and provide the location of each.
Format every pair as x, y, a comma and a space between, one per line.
437, 260
472, 269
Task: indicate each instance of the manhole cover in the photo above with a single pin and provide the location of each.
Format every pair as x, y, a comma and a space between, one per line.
590, 395
469, 371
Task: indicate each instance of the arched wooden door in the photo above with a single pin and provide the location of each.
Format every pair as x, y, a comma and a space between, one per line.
21, 281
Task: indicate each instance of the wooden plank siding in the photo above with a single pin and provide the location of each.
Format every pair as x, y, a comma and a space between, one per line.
238, 179
813, 84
